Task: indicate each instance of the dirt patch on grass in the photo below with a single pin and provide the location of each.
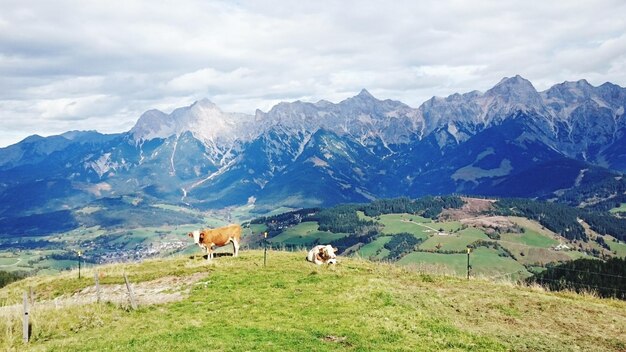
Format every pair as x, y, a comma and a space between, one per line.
495, 222
472, 207
162, 290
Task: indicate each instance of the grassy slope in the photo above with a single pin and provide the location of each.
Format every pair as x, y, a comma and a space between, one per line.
293, 305
619, 248
397, 223
485, 262
375, 249
456, 241
305, 234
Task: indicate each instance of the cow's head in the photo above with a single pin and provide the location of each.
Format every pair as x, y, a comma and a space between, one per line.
327, 253
196, 236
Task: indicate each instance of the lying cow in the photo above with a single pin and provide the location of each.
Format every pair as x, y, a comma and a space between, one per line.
207, 238
322, 255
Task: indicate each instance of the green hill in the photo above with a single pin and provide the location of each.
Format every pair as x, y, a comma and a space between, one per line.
235, 304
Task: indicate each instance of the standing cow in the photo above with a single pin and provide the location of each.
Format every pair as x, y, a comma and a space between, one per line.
207, 238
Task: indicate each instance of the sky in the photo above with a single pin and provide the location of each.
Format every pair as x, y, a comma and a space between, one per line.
98, 65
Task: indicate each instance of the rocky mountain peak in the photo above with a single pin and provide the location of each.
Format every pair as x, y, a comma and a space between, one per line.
204, 103
364, 94
514, 87
203, 118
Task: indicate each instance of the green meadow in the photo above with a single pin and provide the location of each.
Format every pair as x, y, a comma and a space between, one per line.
237, 304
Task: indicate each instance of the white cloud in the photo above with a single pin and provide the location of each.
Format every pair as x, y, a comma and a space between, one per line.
71, 64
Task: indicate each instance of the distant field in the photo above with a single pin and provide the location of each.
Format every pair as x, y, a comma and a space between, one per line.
8, 261
361, 215
207, 220
403, 217
305, 234
398, 223
620, 209
371, 249
531, 238
33, 261
534, 255
256, 229
175, 208
454, 241
58, 264
619, 248
448, 226
484, 262
531, 225
577, 255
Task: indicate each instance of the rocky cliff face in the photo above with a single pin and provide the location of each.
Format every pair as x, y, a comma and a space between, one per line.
509, 140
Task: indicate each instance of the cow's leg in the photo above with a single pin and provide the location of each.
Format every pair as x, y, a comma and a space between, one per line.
235, 247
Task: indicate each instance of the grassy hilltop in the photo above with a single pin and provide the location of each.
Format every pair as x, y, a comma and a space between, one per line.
235, 304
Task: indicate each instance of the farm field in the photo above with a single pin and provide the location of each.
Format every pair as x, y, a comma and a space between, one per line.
375, 249
619, 248
485, 262
398, 223
533, 246
305, 234
454, 241
530, 238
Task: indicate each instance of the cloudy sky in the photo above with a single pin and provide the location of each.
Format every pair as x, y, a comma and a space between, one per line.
68, 65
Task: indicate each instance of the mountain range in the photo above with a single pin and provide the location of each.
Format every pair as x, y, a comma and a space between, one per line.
510, 141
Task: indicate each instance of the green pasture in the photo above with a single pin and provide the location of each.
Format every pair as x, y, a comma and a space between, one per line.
531, 225
305, 234
8, 261
529, 255
454, 241
375, 249
620, 209
257, 229
361, 215
448, 226
236, 304
484, 261
530, 238
618, 248
577, 255
398, 223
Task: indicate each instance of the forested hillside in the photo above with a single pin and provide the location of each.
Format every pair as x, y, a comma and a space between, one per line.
607, 278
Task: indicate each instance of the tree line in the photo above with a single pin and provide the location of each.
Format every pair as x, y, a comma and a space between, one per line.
7, 277
562, 219
428, 206
607, 278
558, 218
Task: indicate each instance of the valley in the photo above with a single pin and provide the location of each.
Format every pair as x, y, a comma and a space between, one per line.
513, 247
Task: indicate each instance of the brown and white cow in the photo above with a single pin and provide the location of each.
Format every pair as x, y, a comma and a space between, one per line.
322, 254
207, 238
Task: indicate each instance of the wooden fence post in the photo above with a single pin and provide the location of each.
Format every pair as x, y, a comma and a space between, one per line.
25, 324
133, 304
95, 276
